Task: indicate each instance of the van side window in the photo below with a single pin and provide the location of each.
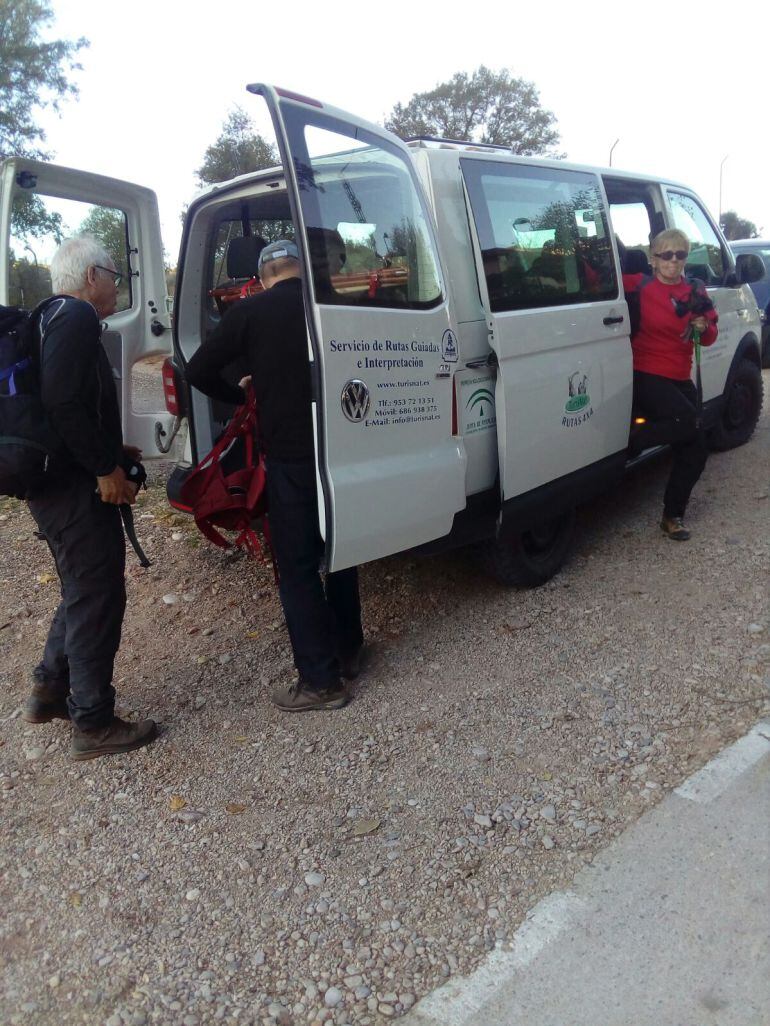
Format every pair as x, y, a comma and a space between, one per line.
543, 235
707, 261
369, 237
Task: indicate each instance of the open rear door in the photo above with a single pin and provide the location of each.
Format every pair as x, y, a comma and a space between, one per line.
391, 472
41, 203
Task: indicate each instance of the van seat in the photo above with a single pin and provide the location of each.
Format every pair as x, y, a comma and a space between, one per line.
636, 262
243, 256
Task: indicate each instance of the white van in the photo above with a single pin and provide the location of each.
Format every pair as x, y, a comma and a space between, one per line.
471, 361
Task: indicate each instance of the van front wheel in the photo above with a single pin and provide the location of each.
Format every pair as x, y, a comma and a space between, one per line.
529, 558
741, 409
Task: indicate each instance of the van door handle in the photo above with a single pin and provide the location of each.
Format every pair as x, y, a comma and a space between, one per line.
613, 320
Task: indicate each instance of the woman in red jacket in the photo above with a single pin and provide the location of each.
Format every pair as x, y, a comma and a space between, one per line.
663, 349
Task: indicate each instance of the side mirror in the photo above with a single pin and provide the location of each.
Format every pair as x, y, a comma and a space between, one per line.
749, 268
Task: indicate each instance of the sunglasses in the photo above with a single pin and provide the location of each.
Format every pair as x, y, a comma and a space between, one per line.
672, 254
116, 276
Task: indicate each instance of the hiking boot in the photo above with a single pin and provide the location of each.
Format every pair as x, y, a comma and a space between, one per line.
351, 663
300, 697
43, 710
118, 736
673, 528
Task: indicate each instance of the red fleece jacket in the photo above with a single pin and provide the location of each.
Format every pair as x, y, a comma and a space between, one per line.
658, 347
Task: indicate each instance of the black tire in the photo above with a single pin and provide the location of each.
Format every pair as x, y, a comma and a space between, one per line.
741, 409
530, 558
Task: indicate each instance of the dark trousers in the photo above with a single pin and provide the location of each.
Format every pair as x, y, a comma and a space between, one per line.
85, 536
324, 620
670, 407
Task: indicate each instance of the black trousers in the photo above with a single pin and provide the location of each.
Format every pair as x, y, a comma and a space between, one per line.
85, 536
323, 618
671, 408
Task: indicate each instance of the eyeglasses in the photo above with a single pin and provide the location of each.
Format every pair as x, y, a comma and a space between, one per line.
116, 276
672, 254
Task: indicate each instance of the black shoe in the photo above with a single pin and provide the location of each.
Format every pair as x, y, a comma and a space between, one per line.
43, 710
351, 663
300, 697
117, 737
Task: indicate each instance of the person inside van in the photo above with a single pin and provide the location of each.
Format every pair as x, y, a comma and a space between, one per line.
328, 255
670, 309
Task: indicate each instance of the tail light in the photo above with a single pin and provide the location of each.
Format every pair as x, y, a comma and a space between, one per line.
170, 389
454, 404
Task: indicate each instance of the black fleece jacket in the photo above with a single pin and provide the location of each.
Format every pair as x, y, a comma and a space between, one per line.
78, 390
269, 333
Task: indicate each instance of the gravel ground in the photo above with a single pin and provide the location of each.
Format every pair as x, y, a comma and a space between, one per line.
253, 867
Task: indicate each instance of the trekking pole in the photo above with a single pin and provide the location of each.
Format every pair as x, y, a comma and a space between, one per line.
128, 527
698, 382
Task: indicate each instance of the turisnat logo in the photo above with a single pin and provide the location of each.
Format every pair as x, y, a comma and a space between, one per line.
578, 406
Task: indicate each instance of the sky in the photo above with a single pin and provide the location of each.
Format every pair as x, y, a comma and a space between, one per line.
681, 89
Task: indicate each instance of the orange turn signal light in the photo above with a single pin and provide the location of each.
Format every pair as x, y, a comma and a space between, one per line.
640, 420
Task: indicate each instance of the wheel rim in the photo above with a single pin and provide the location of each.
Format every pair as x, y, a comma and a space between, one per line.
539, 542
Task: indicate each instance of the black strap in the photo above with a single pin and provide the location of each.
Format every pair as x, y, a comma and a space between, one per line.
128, 527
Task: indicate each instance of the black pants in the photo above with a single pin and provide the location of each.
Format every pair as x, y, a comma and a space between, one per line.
85, 536
671, 409
324, 621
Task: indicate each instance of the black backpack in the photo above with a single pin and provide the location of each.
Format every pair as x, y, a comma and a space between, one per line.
27, 441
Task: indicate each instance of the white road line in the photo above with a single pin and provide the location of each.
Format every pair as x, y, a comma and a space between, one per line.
717, 775
457, 1003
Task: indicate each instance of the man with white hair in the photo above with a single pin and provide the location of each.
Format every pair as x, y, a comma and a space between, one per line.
77, 510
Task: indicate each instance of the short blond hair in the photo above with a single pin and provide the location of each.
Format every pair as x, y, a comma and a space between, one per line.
671, 238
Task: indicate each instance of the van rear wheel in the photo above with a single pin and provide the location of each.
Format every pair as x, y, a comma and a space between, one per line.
529, 558
741, 409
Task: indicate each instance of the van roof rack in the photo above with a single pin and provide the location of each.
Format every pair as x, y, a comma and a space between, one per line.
431, 142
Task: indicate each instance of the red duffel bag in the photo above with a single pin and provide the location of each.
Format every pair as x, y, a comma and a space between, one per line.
231, 500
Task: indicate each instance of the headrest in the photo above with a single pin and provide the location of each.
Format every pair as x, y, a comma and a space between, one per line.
635, 262
243, 256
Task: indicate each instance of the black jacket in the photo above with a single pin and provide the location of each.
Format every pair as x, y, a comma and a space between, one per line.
78, 390
268, 334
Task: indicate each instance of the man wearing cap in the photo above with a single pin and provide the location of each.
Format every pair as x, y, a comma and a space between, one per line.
268, 334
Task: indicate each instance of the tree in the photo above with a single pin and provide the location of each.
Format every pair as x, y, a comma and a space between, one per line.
30, 218
736, 227
29, 281
33, 75
107, 226
485, 107
238, 150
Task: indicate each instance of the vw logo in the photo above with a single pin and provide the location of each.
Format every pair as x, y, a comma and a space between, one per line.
355, 400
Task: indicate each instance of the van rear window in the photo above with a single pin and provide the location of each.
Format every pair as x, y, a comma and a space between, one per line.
543, 235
